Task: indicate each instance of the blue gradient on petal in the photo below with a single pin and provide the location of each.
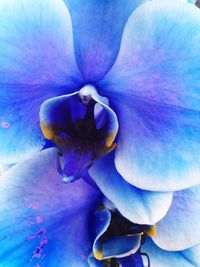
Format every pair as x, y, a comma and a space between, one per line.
44, 221
154, 88
98, 27
162, 258
36, 62
180, 228
148, 207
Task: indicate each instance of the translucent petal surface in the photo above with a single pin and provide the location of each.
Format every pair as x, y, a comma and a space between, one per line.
162, 258
36, 62
139, 206
44, 222
97, 27
154, 86
180, 228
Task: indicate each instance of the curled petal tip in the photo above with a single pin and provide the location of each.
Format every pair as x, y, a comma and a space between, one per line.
47, 131
98, 255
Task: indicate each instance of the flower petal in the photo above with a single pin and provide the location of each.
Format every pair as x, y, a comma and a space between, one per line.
162, 258
95, 263
189, 1
98, 27
180, 228
148, 207
133, 260
37, 62
44, 221
114, 246
154, 87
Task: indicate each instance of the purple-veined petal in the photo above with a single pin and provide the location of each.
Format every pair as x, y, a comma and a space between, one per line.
36, 62
154, 87
163, 258
138, 206
44, 222
180, 228
97, 28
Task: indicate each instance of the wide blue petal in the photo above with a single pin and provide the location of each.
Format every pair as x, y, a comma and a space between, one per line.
36, 62
163, 258
98, 27
139, 206
180, 228
44, 222
154, 88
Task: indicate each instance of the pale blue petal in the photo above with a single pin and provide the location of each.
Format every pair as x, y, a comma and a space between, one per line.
139, 206
36, 62
44, 222
162, 258
98, 27
189, 1
154, 88
180, 228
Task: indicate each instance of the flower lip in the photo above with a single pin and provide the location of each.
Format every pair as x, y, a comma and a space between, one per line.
117, 237
82, 126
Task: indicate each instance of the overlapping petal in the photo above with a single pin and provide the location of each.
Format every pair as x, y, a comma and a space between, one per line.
139, 206
44, 221
154, 89
117, 246
36, 62
163, 258
98, 27
180, 228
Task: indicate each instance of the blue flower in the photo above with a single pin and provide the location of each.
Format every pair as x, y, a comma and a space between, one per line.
45, 222
99, 88
118, 93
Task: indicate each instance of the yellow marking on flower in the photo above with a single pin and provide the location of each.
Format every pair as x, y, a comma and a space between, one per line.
47, 130
98, 255
110, 139
151, 232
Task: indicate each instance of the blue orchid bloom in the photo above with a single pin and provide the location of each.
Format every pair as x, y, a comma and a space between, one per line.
101, 87
116, 91
45, 222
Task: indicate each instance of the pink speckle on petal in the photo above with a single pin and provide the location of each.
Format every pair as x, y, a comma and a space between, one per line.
43, 242
5, 124
34, 205
39, 233
39, 219
38, 253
